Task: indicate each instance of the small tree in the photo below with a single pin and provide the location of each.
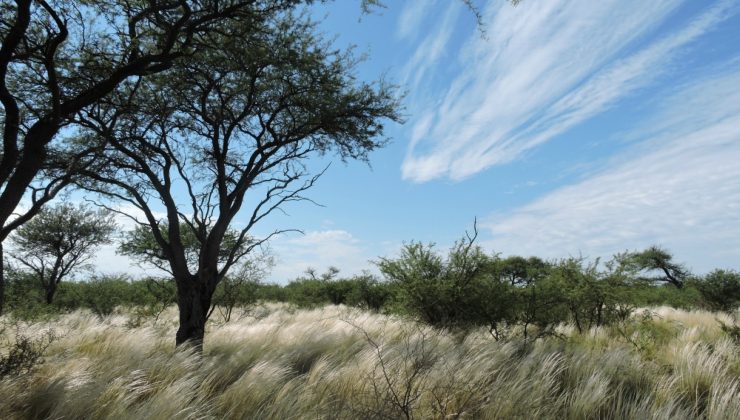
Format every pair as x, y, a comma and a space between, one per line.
444, 292
658, 259
522, 271
720, 290
60, 240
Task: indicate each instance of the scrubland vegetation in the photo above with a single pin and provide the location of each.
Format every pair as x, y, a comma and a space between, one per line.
462, 335
467, 334
276, 361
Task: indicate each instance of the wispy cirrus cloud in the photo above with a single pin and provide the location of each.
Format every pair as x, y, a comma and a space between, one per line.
413, 14
431, 49
679, 188
544, 68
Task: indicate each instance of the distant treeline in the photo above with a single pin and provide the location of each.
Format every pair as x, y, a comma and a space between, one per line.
465, 288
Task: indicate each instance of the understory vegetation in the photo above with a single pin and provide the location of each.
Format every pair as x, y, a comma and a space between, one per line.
274, 361
461, 335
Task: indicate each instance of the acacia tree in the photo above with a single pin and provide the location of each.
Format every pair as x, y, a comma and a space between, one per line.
229, 126
658, 259
59, 240
59, 57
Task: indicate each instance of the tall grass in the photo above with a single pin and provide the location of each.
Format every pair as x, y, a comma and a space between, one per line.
337, 362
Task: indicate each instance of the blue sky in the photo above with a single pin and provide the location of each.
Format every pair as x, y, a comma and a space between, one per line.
571, 127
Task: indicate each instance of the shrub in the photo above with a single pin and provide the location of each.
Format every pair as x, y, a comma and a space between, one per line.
103, 293
23, 352
369, 293
234, 291
24, 297
436, 290
720, 290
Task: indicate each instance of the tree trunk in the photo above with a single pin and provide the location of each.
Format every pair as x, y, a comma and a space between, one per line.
2, 279
193, 301
51, 288
574, 311
34, 156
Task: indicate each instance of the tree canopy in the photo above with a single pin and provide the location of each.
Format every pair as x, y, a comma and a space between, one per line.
59, 57
59, 240
230, 125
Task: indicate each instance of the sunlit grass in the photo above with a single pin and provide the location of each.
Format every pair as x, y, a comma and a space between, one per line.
336, 362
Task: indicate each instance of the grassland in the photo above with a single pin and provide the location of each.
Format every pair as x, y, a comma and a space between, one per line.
335, 362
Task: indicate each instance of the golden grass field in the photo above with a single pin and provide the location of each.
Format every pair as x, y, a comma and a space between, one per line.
335, 362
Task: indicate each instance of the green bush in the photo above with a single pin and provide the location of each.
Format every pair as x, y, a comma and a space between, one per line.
720, 290
646, 295
368, 292
431, 288
466, 288
103, 293
234, 291
305, 292
24, 297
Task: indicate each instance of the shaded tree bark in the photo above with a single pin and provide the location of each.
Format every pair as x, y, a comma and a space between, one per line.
194, 304
51, 290
2, 280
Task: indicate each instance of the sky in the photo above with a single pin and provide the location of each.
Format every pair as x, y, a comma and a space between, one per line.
564, 127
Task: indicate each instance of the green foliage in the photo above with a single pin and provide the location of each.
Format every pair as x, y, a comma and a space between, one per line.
240, 289
521, 271
593, 298
720, 290
141, 245
272, 292
441, 292
306, 293
102, 294
645, 332
149, 298
59, 240
24, 296
644, 295
363, 291
370, 293
527, 295
657, 259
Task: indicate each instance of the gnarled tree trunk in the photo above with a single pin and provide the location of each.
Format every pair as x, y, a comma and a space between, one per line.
2, 279
51, 289
194, 303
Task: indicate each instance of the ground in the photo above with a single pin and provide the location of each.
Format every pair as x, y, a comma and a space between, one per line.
278, 362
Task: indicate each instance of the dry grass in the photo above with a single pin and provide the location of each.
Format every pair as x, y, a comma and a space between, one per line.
338, 362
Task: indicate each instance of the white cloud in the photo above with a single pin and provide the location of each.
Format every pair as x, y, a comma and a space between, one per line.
680, 189
319, 250
108, 261
412, 15
431, 49
545, 67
